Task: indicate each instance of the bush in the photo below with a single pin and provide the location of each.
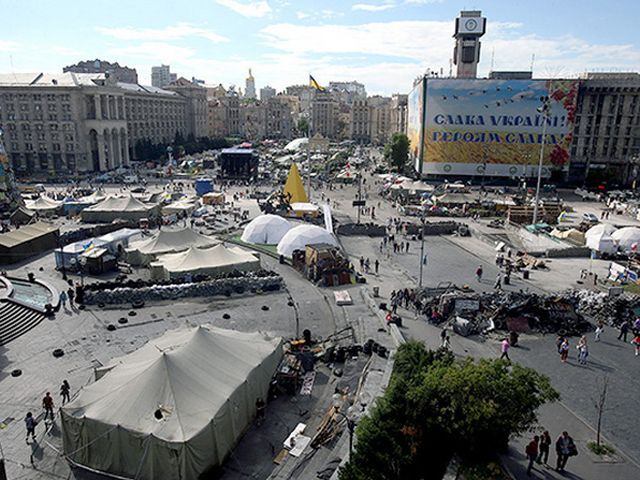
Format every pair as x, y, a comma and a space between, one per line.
601, 449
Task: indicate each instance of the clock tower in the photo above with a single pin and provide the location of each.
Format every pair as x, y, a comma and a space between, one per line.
470, 26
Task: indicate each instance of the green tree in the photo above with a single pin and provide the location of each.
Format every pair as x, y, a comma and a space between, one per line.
303, 126
436, 407
397, 151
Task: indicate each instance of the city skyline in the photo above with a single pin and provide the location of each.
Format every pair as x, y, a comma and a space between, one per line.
383, 44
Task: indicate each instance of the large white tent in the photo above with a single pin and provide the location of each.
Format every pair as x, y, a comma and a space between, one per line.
296, 144
212, 261
167, 241
601, 242
299, 237
627, 237
607, 228
266, 230
43, 205
126, 208
174, 408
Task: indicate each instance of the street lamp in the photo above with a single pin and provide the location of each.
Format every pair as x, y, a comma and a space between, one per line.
544, 109
423, 219
351, 423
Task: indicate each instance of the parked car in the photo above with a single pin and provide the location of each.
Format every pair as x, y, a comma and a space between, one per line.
590, 217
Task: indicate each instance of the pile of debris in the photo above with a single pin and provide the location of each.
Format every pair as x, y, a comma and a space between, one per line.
602, 307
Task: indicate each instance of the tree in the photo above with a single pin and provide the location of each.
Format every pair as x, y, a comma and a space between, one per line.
436, 407
397, 151
303, 126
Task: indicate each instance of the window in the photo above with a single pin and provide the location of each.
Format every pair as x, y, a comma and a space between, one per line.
37, 97
42, 147
11, 116
66, 117
66, 107
56, 147
24, 107
28, 136
51, 97
68, 137
39, 127
14, 146
53, 126
69, 147
52, 107
55, 136
28, 146
42, 136
10, 107
24, 116
37, 107
53, 116
25, 126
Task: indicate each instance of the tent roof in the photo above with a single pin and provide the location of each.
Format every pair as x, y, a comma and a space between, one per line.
294, 186
26, 233
599, 228
122, 234
296, 144
299, 237
197, 258
120, 204
265, 229
166, 241
188, 374
42, 203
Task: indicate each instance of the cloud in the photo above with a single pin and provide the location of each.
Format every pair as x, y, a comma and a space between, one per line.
301, 15
247, 9
156, 52
8, 46
367, 7
174, 32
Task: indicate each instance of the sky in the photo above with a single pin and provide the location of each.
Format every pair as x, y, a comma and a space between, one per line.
384, 44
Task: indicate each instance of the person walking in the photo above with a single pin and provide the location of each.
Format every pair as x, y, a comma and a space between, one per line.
532, 453
30, 423
479, 273
565, 448
261, 408
636, 343
47, 404
443, 336
599, 330
63, 299
564, 350
406, 247
504, 347
624, 331
545, 443
583, 350
64, 391
376, 266
71, 294
498, 284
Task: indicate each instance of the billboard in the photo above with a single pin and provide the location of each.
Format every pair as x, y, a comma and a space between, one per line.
415, 122
493, 127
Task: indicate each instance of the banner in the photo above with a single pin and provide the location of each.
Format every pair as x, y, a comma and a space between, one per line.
493, 127
415, 119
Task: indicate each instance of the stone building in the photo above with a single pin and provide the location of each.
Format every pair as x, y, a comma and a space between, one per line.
399, 113
196, 97
161, 76
73, 122
279, 118
324, 115
360, 122
266, 93
122, 74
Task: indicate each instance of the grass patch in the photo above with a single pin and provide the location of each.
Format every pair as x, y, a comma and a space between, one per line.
488, 471
601, 449
631, 288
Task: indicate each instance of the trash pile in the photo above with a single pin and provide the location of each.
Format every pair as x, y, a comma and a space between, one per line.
602, 307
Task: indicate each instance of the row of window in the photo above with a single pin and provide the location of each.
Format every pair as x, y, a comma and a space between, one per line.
56, 147
52, 117
36, 97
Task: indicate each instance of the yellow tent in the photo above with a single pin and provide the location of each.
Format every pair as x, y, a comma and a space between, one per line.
294, 187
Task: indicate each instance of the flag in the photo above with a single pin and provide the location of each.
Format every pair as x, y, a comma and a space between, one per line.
314, 84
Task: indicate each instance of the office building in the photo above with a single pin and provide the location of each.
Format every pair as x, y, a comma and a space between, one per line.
161, 76
122, 74
266, 93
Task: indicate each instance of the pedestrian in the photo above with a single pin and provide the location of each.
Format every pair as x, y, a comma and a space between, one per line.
624, 330
361, 263
63, 299
443, 336
565, 448
261, 408
376, 265
599, 330
532, 453
479, 273
504, 347
71, 294
498, 284
564, 350
30, 423
381, 245
47, 404
367, 265
636, 343
64, 391
583, 350
406, 247
446, 344
545, 443
636, 326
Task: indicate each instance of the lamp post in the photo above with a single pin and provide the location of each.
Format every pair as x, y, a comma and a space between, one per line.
422, 258
544, 109
351, 423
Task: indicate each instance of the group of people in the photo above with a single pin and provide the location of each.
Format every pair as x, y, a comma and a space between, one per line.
48, 406
538, 450
365, 265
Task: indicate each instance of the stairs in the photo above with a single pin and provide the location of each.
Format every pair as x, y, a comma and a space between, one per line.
16, 320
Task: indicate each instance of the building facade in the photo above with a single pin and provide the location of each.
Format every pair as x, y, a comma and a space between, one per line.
360, 122
399, 113
74, 123
161, 76
266, 93
122, 74
196, 105
250, 87
324, 115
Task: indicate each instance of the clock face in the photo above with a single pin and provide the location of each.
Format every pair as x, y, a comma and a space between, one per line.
471, 25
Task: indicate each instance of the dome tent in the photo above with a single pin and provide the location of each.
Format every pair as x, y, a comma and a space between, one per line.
175, 407
596, 230
266, 230
602, 242
626, 238
299, 237
167, 241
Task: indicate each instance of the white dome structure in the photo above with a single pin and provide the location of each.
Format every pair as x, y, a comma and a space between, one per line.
299, 237
265, 230
600, 228
626, 237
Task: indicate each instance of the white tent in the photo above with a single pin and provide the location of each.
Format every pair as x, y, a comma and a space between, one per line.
112, 208
174, 408
181, 207
599, 228
265, 229
43, 205
167, 241
297, 144
602, 243
627, 237
212, 261
116, 242
299, 237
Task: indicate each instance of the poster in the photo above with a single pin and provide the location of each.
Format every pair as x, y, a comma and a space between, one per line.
494, 127
415, 119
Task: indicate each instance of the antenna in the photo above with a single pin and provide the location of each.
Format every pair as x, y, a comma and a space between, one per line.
533, 59
493, 55
450, 67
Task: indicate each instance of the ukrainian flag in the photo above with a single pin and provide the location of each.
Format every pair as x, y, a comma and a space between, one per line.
314, 84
